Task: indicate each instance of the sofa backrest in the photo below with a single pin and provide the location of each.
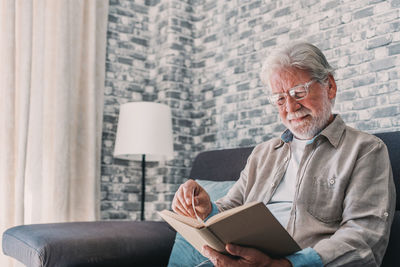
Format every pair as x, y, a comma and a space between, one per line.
226, 165
220, 165
392, 141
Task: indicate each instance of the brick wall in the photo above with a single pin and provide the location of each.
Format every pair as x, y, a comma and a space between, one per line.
202, 58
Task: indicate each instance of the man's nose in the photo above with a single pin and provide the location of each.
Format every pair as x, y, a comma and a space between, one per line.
291, 104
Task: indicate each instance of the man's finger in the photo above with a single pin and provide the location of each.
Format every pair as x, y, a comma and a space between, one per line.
188, 192
203, 207
249, 254
180, 204
218, 259
182, 199
179, 208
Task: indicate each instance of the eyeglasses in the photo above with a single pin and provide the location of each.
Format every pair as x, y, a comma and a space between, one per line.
298, 92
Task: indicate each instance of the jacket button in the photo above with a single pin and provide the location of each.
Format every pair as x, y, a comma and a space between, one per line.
272, 184
332, 181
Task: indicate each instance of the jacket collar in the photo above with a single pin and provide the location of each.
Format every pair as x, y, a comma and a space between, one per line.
333, 133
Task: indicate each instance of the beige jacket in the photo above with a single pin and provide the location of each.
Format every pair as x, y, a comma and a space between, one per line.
345, 196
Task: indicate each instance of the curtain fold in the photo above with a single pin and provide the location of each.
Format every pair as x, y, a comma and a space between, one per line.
51, 103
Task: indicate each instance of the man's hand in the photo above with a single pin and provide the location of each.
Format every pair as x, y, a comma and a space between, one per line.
182, 202
245, 257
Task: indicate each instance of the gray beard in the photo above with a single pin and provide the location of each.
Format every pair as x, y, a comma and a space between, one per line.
309, 128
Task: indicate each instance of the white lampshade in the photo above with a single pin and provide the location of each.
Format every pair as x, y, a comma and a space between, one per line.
144, 128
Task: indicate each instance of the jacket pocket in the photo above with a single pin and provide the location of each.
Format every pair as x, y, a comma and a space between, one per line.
325, 201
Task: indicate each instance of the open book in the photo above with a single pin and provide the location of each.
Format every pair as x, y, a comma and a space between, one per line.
250, 225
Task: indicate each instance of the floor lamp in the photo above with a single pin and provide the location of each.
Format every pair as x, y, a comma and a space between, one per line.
144, 133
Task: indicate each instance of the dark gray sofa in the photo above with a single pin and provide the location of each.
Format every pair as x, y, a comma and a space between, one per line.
123, 243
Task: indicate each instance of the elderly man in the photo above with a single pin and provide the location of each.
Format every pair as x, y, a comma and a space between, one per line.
330, 185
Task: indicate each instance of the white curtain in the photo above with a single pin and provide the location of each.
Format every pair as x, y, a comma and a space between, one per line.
52, 65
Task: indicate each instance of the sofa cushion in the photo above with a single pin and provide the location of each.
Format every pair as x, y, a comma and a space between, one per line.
216, 190
111, 243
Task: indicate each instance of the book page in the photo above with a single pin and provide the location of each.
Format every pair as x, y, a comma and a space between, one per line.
186, 220
227, 213
197, 237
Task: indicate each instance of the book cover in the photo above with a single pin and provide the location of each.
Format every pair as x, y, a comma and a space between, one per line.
250, 225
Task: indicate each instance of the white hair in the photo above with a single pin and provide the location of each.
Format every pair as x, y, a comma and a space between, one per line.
301, 55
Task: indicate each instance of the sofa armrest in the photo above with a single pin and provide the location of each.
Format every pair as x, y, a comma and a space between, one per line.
101, 243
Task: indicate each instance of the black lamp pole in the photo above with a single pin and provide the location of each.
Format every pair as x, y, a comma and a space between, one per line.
143, 186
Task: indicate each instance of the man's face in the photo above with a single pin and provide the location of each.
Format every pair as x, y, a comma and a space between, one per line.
307, 117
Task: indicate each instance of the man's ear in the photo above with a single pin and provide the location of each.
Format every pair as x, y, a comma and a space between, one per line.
331, 87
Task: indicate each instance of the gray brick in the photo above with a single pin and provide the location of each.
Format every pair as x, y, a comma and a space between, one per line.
138, 8
394, 49
117, 215
210, 38
383, 88
245, 34
268, 25
363, 81
282, 12
363, 13
243, 87
308, 3
112, 18
186, 24
346, 95
382, 64
131, 206
329, 23
200, 64
270, 42
209, 138
131, 189
364, 103
367, 125
125, 12
395, 26
330, 5
139, 41
385, 112
106, 206
151, 2
231, 14
255, 4
127, 61
256, 131
395, 3
246, 142
282, 30
256, 113
138, 56
239, 69
349, 117
209, 5
380, 41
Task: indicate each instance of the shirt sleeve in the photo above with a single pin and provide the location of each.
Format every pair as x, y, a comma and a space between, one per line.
235, 196
306, 257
